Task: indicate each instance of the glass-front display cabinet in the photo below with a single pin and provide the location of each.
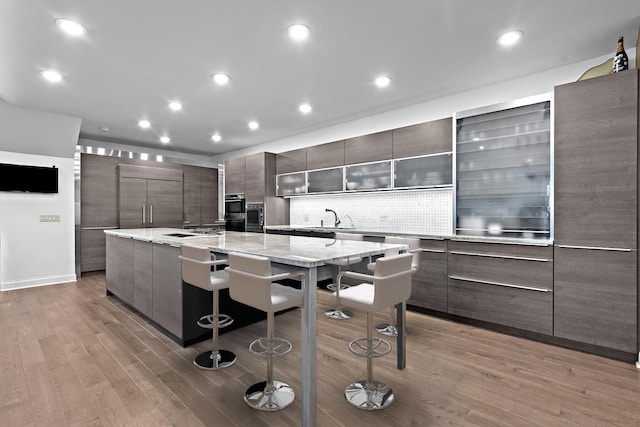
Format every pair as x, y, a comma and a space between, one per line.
291, 184
325, 180
503, 176
368, 176
423, 171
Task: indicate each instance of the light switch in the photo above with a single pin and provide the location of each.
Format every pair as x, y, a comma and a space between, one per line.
49, 218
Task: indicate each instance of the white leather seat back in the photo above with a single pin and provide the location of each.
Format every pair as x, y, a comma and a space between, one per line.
393, 280
193, 272
249, 281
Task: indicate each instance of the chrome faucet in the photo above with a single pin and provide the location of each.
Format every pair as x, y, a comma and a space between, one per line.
337, 221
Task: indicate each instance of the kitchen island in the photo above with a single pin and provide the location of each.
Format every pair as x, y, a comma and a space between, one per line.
285, 252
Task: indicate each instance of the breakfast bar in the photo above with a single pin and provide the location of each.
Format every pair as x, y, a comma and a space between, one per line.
287, 253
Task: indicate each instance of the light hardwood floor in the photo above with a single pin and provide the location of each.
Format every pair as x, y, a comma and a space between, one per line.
71, 356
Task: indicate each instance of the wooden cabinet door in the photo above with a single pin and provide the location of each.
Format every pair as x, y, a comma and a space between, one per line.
93, 247
143, 277
422, 139
119, 272
234, 175
209, 195
98, 191
595, 297
291, 161
254, 178
164, 199
368, 148
429, 284
167, 288
132, 202
596, 161
192, 195
325, 155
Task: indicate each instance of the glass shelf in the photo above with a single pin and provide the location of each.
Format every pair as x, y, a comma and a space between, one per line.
503, 172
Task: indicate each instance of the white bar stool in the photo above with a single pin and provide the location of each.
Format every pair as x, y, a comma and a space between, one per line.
391, 285
196, 271
391, 329
337, 312
252, 284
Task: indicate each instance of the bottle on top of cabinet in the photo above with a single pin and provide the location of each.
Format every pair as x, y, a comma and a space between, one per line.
620, 60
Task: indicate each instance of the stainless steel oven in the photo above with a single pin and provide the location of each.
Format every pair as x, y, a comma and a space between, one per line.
235, 212
255, 217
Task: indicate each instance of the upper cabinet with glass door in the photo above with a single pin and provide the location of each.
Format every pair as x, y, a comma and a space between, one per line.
291, 184
423, 171
503, 171
369, 176
325, 180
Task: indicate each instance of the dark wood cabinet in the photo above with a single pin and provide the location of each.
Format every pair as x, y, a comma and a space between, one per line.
119, 272
255, 179
429, 284
510, 285
234, 175
325, 155
368, 148
422, 139
596, 297
143, 277
150, 197
291, 161
200, 195
596, 211
596, 161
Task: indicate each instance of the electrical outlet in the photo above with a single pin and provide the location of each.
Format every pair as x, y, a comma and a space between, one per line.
49, 218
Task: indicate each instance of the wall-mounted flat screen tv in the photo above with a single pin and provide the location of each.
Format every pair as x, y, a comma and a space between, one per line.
29, 179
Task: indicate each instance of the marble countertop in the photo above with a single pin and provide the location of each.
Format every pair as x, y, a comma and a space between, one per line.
292, 250
380, 233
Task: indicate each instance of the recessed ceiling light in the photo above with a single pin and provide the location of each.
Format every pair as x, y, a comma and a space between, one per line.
305, 108
144, 124
71, 27
221, 78
175, 106
216, 137
383, 81
510, 38
298, 32
104, 129
253, 125
51, 75
165, 139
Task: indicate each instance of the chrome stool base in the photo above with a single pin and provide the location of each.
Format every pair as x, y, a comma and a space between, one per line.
338, 314
269, 397
223, 360
376, 396
387, 329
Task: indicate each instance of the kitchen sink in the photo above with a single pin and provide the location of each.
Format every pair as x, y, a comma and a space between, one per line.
179, 235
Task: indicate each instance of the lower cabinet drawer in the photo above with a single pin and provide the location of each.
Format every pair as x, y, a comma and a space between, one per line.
518, 307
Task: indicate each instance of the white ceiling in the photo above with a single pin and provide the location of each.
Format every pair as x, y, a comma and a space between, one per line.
140, 54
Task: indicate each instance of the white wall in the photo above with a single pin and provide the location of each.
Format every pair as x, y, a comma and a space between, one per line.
34, 253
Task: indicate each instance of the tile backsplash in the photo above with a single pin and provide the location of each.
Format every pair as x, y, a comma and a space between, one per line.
428, 211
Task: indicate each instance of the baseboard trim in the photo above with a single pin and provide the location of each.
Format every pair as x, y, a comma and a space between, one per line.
35, 282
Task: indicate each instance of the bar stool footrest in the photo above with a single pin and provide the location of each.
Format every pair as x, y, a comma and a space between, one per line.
379, 347
332, 286
279, 347
208, 321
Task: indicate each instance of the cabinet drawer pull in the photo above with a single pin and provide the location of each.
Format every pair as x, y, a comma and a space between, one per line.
506, 285
520, 258
596, 248
437, 251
